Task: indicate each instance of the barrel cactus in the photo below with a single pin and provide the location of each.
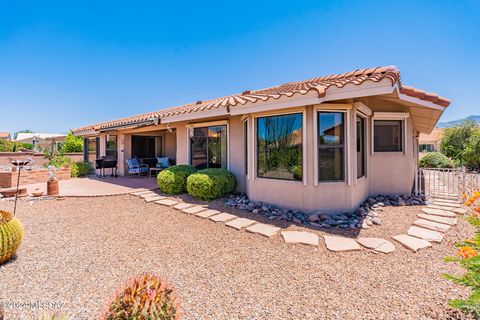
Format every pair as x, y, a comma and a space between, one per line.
11, 234
144, 297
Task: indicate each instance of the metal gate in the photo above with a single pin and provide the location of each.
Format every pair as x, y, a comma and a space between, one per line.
446, 183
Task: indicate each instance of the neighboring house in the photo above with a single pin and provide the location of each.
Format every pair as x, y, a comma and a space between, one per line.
325, 143
430, 142
5, 136
42, 141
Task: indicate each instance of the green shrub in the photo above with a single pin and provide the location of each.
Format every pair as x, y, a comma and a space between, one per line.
144, 297
210, 184
297, 172
173, 180
58, 160
72, 143
81, 168
435, 160
6, 146
11, 235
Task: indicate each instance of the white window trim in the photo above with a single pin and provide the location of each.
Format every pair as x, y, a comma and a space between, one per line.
365, 147
303, 111
402, 116
346, 146
245, 131
204, 125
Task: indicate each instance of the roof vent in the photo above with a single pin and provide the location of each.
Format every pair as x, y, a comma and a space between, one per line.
198, 102
247, 92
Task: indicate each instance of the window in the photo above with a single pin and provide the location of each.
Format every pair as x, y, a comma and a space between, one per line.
388, 135
91, 148
111, 146
209, 147
245, 142
143, 147
360, 147
279, 147
331, 146
426, 148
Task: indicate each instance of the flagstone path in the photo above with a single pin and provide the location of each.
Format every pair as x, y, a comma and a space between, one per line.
434, 221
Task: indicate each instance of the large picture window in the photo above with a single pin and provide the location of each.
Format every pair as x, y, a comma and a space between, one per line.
143, 147
279, 147
360, 147
331, 146
209, 147
388, 135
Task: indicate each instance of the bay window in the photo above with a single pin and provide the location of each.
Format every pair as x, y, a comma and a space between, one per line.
331, 146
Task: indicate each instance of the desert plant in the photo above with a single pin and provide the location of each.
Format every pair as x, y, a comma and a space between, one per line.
435, 160
80, 169
173, 180
145, 297
11, 235
210, 184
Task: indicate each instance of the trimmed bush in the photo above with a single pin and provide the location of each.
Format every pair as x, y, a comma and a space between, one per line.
144, 297
11, 235
173, 180
435, 160
80, 169
210, 184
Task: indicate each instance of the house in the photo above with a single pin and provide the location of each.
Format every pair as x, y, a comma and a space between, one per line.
430, 142
42, 141
325, 143
5, 136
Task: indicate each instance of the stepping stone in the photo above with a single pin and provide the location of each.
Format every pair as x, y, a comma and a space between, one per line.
446, 204
223, 217
154, 198
448, 209
300, 237
207, 213
438, 212
425, 234
432, 225
240, 223
183, 205
341, 244
148, 195
446, 201
412, 243
137, 192
444, 220
377, 244
266, 230
459, 210
167, 202
194, 210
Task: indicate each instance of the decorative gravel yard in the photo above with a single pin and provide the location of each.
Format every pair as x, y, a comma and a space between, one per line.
77, 251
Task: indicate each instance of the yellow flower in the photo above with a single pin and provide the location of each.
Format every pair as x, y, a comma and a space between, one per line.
467, 252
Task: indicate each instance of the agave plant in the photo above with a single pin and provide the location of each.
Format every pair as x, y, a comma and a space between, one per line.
146, 297
11, 235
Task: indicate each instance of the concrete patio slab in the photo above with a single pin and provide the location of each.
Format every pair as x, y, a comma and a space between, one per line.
425, 234
240, 223
438, 212
337, 244
207, 213
167, 202
377, 244
263, 229
154, 198
300, 237
435, 226
223, 217
183, 205
412, 243
444, 220
194, 210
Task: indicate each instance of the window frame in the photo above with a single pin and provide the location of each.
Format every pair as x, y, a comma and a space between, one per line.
206, 125
365, 146
398, 116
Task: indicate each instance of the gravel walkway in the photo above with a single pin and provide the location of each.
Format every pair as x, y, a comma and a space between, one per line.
77, 251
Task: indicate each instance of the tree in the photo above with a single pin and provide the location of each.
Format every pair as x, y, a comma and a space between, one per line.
462, 144
72, 143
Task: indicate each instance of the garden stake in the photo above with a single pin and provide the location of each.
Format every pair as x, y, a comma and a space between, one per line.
16, 193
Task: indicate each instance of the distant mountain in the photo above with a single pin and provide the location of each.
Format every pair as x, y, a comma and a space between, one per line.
453, 123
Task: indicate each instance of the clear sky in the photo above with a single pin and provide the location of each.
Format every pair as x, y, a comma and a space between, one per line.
66, 64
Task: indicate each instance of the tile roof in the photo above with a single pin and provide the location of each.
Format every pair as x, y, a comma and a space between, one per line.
4, 135
319, 85
435, 135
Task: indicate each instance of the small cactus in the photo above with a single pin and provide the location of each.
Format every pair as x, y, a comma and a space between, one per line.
147, 297
11, 235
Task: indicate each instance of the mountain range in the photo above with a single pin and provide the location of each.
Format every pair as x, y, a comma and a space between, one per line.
453, 123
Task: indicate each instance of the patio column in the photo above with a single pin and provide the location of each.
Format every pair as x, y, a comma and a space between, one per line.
121, 154
183, 145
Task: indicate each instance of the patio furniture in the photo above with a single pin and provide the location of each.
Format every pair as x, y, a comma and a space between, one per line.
154, 169
162, 162
136, 168
105, 163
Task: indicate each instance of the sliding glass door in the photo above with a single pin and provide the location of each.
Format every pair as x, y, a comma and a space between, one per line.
209, 147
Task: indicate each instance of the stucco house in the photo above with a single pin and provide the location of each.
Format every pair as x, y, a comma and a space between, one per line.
42, 141
325, 143
430, 142
5, 136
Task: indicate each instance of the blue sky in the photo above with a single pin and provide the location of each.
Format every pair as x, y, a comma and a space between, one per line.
66, 64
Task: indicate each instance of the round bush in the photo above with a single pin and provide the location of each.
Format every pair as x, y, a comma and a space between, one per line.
144, 297
210, 184
435, 160
173, 180
11, 235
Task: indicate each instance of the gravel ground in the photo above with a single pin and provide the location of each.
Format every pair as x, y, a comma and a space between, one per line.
78, 251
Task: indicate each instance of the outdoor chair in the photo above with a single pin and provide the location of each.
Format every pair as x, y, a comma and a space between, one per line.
136, 168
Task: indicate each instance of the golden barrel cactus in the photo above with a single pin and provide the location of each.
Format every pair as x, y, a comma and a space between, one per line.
11, 234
